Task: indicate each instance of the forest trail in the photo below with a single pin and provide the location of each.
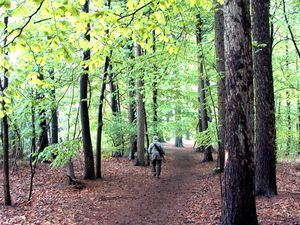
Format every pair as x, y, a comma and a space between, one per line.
168, 199
186, 193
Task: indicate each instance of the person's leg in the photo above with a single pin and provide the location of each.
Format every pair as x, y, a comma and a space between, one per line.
158, 170
154, 167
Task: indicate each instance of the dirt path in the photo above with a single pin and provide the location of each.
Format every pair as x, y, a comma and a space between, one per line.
164, 200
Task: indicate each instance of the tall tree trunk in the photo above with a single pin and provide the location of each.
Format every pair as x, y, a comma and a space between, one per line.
155, 91
100, 118
265, 169
131, 109
220, 63
89, 172
288, 106
201, 89
289, 124
140, 116
100, 111
238, 200
131, 117
5, 140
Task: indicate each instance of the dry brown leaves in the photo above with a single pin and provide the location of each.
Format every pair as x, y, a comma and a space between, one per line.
186, 193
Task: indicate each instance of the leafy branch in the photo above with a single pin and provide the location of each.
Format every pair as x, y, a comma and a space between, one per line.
63, 152
23, 27
133, 13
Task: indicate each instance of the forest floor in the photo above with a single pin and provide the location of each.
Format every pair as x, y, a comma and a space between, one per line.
186, 193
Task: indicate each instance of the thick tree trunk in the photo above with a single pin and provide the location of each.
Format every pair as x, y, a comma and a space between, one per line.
178, 142
89, 172
238, 200
265, 173
220, 63
140, 118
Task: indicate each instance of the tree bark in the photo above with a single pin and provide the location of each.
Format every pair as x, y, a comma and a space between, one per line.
89, 172
265, 172
5, 138
220, 63
238, 200
140, 161
178, 142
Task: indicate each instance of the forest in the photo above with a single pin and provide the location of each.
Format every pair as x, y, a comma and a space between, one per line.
85, 85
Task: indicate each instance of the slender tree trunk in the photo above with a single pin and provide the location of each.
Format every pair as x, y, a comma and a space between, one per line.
140, 117
100, 110
265, 170
113, 93
220, 63
178, 129
201, 86
288, 106
289, 124
5, 141
290, 29
238, 201
100, 118
89, 172
131, 109
155, 91
132, 118
54, 120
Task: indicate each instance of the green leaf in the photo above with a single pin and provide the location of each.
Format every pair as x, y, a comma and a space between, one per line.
2, 113
6, 4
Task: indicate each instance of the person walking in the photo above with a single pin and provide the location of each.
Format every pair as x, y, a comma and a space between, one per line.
157, 151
